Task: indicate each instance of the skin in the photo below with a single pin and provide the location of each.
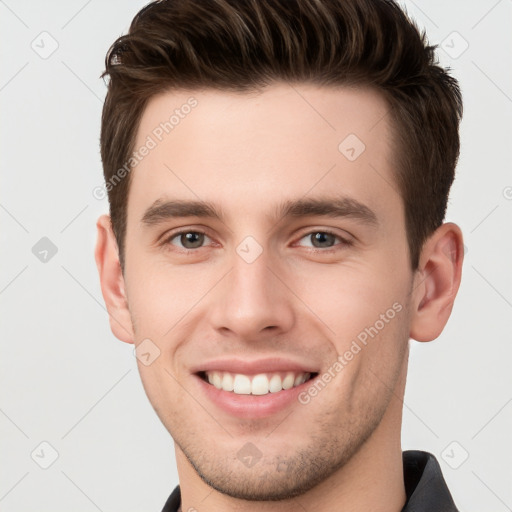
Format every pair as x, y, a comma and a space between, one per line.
247, 153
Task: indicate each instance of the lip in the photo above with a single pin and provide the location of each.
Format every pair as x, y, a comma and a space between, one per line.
252, 406
265, 365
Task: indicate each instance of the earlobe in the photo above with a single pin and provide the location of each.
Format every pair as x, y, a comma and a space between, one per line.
437, 282
112, 281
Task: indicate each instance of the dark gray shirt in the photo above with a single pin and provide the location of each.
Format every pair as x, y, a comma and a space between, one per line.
425, 487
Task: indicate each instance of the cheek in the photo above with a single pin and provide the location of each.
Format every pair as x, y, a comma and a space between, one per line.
349, 299
364, 316
159, 296
164, 393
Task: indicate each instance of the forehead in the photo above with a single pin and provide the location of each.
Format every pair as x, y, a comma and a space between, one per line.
244, 150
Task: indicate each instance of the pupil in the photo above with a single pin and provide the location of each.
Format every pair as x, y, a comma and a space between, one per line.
193, 238
321, 237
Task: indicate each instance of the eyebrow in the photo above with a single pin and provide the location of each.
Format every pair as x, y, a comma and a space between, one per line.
342, 207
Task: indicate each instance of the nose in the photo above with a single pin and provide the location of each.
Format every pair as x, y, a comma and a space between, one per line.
253, 300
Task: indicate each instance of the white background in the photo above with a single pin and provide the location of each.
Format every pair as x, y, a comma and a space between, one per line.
66, 380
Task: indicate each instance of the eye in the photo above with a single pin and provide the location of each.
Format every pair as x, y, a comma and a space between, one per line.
322, 239
187, 240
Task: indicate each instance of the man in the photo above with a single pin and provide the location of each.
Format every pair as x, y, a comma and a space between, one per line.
278, 174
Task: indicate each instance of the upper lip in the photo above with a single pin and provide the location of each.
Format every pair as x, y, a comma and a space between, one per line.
246, 367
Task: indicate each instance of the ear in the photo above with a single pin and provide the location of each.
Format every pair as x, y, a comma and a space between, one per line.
112, 281
436, 282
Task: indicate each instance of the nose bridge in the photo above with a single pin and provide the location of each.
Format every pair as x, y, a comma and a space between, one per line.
252, 299
251, 278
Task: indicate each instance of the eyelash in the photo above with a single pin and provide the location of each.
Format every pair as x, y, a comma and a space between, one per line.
344, 241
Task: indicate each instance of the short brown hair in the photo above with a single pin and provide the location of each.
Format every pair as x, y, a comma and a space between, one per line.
245, 45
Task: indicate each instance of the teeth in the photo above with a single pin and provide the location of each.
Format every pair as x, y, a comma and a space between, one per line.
275, 384
217, 381
242, 385
227, 382
288, 381
260, 384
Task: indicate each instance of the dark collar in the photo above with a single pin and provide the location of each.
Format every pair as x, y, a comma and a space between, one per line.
425, 487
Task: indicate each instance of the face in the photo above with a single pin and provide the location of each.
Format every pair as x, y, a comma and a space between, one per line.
280, 309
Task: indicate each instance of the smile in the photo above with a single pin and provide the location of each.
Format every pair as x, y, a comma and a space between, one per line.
260, 384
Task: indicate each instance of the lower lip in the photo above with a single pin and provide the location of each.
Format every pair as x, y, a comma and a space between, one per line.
252, 406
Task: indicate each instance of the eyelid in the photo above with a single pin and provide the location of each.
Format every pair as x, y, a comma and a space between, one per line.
170, 235
345, 240
165, 238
